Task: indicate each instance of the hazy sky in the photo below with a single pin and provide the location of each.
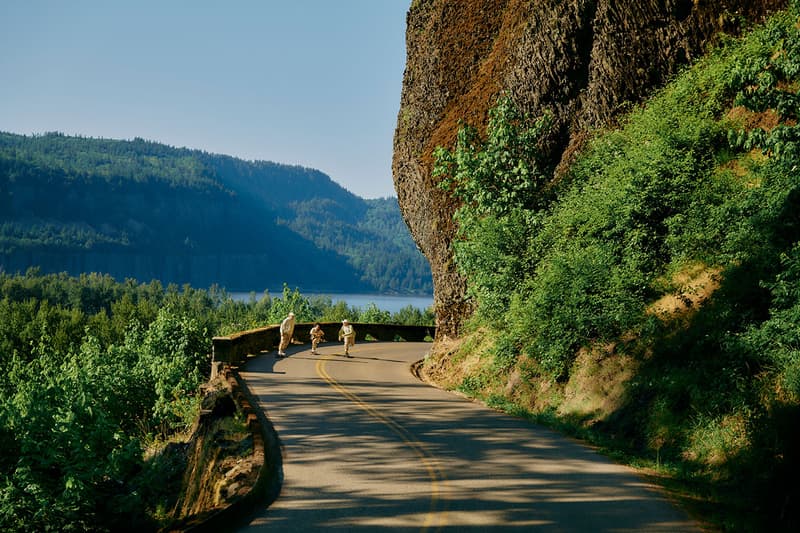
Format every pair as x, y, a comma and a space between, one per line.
308, 82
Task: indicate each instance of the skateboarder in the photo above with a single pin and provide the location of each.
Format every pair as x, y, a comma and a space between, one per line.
348, 334
287, 331
316, 335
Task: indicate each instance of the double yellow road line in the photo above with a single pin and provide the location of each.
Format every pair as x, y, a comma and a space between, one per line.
435, 517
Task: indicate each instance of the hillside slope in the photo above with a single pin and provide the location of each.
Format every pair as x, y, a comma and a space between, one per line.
648, 300
582, 60
149, 211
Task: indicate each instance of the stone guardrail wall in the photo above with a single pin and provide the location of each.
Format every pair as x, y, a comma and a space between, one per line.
266, 447
234, 349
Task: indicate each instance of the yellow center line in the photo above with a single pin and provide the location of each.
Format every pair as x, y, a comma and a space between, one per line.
425, 457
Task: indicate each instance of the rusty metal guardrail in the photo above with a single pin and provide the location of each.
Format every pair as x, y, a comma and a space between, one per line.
233, 349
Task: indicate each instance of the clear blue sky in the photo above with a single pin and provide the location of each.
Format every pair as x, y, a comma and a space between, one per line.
308, 82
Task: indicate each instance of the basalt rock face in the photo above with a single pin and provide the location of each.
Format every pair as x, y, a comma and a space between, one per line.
581, 60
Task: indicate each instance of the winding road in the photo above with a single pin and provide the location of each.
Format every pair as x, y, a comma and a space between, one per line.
366, 446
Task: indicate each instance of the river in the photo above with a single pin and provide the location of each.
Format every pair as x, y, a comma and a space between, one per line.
385, 302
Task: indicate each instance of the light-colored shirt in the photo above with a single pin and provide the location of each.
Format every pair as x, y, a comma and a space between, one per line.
287, 326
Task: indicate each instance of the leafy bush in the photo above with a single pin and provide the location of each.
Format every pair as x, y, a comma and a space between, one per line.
292, 301
413, 316
500, 183
174, 358
66, 446
372, 314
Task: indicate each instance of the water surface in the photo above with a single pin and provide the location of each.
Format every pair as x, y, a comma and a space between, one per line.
392, 303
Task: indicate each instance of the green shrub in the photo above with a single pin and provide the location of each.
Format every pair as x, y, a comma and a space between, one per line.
371, 314
500, 183
506, 352
174, 355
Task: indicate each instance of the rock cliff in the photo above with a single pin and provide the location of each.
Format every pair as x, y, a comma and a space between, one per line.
583, 60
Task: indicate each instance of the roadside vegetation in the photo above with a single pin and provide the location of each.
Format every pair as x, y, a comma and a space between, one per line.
648, 299
98, 375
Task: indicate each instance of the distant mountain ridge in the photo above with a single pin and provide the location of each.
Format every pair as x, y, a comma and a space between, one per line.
146, 210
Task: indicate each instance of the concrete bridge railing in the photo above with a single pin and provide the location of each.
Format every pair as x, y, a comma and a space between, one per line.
233, 349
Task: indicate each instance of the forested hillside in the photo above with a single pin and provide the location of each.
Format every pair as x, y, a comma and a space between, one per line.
647, 297
150, 211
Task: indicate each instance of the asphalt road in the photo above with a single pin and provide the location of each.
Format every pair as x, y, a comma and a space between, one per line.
366, 447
